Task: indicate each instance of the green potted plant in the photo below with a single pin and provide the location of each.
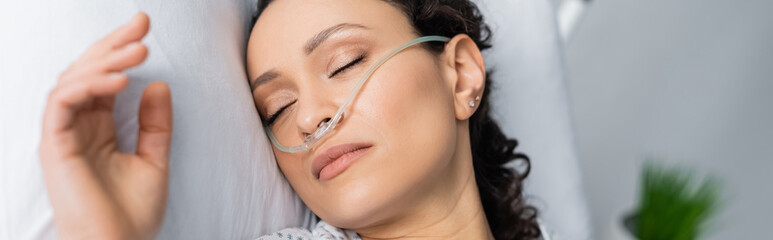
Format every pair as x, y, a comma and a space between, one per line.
671, 206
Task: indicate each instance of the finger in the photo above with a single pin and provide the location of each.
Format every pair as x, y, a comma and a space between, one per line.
67, 99
106, 88
155, 117
129, 56
132, 31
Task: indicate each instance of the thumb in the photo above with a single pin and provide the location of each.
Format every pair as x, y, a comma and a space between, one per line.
155, 119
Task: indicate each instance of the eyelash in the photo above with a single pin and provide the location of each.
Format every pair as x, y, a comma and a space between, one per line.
348, 65
272, 118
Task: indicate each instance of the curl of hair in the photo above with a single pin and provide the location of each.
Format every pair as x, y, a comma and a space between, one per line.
500, 187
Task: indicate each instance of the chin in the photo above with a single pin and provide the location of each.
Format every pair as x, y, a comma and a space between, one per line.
361, 199
351, 213
354, 205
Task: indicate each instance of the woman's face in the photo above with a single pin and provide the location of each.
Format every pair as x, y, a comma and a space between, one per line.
402, 121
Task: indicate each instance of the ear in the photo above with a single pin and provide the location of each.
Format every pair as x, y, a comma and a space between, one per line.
466, 74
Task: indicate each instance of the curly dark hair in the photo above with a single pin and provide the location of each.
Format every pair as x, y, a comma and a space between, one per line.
500, 187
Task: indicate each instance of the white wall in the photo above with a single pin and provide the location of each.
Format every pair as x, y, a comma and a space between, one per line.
556, 3
690, 81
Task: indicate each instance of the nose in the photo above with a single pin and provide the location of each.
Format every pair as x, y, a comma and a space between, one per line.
323, 121
314, 112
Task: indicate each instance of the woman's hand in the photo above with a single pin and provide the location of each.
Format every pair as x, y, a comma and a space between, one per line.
96, 191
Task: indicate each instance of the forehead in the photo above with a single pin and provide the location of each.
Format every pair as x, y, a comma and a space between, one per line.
286, 25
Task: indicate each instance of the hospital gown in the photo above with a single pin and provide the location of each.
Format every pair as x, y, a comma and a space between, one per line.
323, 231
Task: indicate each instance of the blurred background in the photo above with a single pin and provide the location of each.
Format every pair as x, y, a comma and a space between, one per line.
689, 82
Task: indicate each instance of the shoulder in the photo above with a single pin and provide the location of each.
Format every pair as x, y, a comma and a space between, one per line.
321, 231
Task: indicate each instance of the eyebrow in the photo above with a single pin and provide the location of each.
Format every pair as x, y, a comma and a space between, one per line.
312, 44
264, 78
318, 39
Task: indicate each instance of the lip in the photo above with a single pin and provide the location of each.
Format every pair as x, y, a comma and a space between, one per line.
335, 160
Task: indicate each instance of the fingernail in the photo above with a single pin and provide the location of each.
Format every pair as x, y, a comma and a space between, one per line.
134, 18
116, 76
132, 45
136, 15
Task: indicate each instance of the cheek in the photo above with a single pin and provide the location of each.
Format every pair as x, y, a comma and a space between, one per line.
413, 109
295, 171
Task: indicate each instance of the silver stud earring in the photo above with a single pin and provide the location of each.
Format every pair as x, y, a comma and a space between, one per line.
473, 102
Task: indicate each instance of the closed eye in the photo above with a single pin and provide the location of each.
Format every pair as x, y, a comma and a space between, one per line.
272, 118
348, 65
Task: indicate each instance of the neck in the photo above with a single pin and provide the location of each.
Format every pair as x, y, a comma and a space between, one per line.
451, 210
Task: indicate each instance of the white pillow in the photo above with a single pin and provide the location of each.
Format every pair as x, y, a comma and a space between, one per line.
530, 102
224, 180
